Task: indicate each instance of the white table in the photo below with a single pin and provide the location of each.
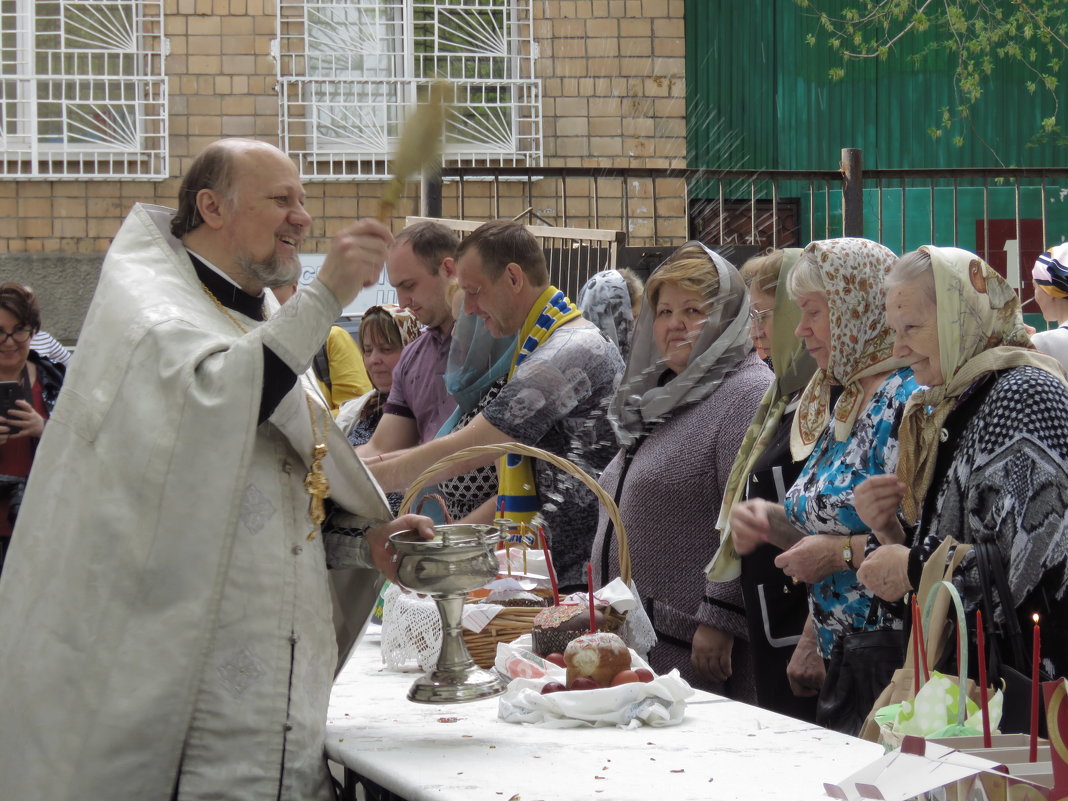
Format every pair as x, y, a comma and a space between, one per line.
462, 752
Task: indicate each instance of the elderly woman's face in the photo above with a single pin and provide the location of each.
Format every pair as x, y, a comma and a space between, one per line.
762, 315
15, 349
680, 316
914, 320
815, 326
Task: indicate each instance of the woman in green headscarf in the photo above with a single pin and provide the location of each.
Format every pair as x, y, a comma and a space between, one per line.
775, 606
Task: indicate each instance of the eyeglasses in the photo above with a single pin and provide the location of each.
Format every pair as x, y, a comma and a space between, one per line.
756, 316
20, 335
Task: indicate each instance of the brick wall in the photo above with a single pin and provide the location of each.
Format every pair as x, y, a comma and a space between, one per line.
612, 73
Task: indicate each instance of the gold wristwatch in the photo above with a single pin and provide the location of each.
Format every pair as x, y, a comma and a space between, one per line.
847, 553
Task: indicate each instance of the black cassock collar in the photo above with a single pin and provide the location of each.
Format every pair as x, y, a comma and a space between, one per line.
228, 294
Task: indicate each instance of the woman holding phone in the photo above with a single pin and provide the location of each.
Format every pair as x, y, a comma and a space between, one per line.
29, 386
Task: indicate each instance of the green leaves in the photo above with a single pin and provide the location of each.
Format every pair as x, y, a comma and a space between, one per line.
978, 37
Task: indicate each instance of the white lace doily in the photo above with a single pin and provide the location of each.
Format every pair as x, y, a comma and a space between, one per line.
411, 630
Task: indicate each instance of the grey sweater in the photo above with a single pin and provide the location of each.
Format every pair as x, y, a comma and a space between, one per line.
669, 506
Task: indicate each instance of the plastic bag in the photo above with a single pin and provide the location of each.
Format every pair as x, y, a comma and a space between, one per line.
934, 713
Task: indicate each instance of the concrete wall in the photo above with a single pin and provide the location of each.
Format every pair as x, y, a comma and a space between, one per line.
613, 94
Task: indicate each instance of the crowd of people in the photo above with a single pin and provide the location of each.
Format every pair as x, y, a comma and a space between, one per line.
787, 443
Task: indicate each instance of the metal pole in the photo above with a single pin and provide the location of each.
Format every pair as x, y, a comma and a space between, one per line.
430, 192
852, 192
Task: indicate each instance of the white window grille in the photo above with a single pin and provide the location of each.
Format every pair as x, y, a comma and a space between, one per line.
82, 90
349, 71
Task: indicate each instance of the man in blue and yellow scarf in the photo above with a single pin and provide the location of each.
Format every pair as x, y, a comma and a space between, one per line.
562, 375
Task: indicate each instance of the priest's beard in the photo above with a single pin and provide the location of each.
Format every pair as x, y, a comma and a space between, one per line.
277, 271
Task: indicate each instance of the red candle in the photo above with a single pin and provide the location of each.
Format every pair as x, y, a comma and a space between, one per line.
915, 650
549, 567
980, 637
589, 587
923, 644
1035, 653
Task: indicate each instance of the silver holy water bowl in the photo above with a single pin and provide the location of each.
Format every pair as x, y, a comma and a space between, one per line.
459, 559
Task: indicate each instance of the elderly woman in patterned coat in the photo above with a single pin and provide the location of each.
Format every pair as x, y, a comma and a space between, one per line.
692, 384
984, 450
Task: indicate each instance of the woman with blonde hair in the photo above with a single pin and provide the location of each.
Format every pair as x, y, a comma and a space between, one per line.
691, 385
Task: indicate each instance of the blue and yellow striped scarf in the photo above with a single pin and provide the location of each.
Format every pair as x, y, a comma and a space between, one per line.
516, 492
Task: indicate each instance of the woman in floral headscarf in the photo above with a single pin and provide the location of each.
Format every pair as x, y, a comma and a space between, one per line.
384, 333
837, 285
984, 450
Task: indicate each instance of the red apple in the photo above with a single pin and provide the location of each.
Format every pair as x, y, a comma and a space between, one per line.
552, 687
645, 675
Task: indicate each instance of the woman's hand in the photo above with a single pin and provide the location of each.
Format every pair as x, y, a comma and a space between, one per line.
710, 653
22, 421
886, 572
750, 525
813, 558
876, 500
806, 670
382, 552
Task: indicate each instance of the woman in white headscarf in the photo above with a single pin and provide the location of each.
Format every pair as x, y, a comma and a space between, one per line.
611, 300
691, 386
984, 449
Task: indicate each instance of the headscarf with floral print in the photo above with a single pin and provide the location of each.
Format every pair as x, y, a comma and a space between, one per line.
407, 326
980, 330
408, 329
852, 270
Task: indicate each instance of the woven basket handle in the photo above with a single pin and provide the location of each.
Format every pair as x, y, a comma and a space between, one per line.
433, 496
566, 465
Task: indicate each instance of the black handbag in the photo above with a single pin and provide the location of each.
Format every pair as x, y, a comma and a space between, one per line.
861, 664
1007, 663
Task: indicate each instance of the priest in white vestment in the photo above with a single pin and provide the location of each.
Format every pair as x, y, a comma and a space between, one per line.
165, 611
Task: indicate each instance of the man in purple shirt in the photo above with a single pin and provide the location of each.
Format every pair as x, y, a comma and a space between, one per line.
421, 268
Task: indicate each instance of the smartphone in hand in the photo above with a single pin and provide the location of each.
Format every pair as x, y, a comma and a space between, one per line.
10, 391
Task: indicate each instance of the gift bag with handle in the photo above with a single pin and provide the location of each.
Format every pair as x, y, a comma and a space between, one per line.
937, 572
943, 706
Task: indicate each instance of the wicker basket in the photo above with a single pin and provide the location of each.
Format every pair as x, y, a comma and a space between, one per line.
515, 621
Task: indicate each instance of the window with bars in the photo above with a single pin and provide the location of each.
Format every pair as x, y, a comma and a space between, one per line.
82, 90
349, 72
